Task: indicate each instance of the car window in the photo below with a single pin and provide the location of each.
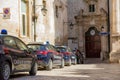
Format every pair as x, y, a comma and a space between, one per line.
9, 41
42, 47
21, 45
34, 46
48, 47
53, 48
69, 50
62, 49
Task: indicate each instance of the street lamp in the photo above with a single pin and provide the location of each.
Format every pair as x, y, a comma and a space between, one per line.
102, 28
44, 10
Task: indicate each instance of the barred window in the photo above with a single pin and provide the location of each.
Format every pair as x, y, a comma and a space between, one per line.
91, 8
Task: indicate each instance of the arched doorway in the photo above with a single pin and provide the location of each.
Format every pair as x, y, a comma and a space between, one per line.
92, 43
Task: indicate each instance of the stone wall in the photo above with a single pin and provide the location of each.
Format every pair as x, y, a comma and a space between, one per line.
13, 24
115, 32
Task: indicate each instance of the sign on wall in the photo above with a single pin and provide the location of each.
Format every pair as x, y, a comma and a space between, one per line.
6, 13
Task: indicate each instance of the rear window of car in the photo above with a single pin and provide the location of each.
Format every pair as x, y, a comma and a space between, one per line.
37, 47
42, 47
9, 41
62, 49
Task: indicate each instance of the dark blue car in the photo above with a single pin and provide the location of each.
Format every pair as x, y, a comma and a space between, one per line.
47, 55
69, 56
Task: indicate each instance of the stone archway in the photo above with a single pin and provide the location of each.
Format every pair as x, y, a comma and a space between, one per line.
92, 43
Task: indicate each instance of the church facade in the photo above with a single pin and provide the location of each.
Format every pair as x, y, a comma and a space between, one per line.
90, 32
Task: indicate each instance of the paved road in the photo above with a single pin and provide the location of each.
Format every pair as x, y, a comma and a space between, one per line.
93, 69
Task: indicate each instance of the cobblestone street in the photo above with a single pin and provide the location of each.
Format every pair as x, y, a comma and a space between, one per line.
88, 71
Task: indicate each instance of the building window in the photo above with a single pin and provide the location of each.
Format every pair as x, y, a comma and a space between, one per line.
24, 17
91, 8
56, 11
44, 3
23, 24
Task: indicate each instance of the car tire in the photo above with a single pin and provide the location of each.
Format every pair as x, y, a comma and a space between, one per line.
62, 63
75, 61
33, 70
50, 65
82, 62
69, 63
4, 71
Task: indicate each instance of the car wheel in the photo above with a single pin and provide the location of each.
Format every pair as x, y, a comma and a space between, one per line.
62, 63
50, 65
33, 70
82, 62
75, 61
4, 71
69, 64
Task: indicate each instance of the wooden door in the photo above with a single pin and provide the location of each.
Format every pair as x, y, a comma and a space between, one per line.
92, 43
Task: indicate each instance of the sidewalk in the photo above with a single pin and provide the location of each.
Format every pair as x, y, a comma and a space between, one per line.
95, 61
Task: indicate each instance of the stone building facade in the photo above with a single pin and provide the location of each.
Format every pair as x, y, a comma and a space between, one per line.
115, 30
90, 32
90, 25
51, 27
61, 22
16, 18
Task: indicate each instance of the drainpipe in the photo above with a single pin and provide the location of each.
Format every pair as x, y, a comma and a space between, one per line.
34, 21
108, 25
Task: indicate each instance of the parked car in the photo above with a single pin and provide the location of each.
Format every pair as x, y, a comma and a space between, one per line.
79, 56
15, 56
47, 55
69, 57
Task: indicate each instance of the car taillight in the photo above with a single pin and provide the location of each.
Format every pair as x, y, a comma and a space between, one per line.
6, 51
43, 52
66, 53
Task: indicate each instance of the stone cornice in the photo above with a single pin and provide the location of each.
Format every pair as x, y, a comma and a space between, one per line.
87, 1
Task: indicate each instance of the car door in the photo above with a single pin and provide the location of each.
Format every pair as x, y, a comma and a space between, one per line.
13, 52
25, 56
57, 56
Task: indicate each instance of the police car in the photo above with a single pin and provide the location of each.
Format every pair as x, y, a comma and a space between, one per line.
47, 55
15, 56
69, 57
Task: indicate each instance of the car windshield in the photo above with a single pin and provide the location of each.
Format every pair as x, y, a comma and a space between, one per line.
37, 47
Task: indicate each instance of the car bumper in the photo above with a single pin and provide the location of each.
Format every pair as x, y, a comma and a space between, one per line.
43, 61
67, 59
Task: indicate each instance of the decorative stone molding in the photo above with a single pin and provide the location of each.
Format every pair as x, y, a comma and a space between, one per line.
26, 1
103, 11
87, 1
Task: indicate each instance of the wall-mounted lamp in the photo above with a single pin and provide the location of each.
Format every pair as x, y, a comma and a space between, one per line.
43, 9
34, 17
102, 28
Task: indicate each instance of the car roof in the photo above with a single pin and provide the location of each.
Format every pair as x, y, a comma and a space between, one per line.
62, 46
30, 43
2, 35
